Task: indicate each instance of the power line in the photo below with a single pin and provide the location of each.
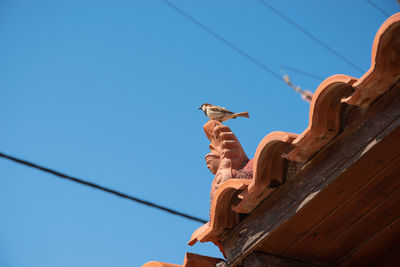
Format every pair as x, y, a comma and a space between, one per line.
297, 26
303, 72
102, 188
378, 8
223, 40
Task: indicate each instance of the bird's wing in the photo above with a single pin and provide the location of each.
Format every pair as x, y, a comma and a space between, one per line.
220, 109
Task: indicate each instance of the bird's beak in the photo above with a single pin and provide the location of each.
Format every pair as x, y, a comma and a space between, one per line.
200, 108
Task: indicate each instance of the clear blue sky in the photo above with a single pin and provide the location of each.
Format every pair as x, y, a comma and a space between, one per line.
109, 90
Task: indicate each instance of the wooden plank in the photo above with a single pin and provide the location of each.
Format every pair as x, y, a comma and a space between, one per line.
373, 222
390, 258
257, 259
333, 197
352, 210
331, 162
376, 246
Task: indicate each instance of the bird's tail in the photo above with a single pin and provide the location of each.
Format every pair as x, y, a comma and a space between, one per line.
241, 114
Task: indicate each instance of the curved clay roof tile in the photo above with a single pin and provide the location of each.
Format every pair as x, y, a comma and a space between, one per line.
385, 65
269, 169
325, 117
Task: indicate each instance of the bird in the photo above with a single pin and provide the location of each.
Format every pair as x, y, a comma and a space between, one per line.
219, 113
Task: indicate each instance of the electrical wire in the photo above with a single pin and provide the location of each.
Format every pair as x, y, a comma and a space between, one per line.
303, 72
102, 188
222, 39
378, 8
297, 26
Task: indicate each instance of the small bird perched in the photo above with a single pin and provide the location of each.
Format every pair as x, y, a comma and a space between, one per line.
220, 114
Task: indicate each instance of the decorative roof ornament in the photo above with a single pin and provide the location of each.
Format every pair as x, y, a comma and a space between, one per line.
227, 156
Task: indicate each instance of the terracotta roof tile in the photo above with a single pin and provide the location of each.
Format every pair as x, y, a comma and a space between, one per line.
159, 264
191, 260
325, 120
385, 65
269, 170
222, 217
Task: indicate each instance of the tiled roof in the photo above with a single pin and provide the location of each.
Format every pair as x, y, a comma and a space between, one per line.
281, 154
327, 120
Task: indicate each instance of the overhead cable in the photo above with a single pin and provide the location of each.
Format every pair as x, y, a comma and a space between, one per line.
313, 37
222, 39
378, 8
303, 73
102, 188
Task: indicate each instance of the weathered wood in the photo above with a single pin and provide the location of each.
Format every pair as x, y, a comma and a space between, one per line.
390, 258
373, 222
346, 215
257, 259
327, 166
337, 194
375, 246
